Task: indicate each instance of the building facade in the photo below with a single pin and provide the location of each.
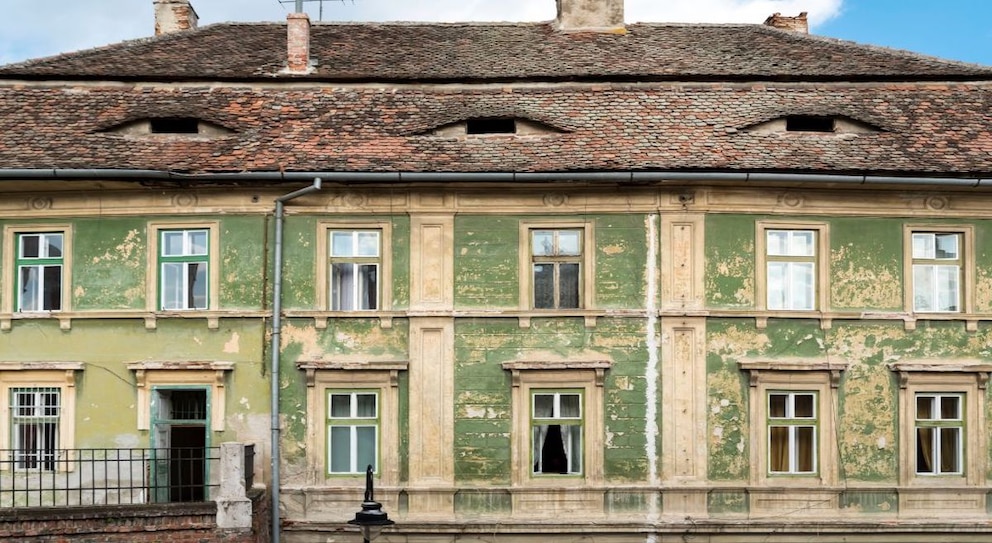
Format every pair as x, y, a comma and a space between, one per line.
570, 281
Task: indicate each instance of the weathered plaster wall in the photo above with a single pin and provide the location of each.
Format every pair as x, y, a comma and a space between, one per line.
486, 261
300, 265
621, 253
109, 263
729, 269
106, 413
866, 270
483, 418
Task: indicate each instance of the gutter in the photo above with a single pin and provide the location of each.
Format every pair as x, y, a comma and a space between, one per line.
633, 177
275, 346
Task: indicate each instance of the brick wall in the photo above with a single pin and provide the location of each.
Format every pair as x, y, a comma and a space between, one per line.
172, 522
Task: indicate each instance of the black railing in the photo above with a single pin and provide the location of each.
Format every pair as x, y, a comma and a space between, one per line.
69, 477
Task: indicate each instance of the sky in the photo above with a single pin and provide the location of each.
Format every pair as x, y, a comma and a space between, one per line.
951, 29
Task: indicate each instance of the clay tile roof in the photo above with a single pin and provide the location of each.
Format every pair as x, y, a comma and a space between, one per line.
496, 52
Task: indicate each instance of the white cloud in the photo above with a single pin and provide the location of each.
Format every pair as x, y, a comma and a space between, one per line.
28, 31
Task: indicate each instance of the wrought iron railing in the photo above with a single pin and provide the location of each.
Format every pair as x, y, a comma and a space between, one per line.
71, 477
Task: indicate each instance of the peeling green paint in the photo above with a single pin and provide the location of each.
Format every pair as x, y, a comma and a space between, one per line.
729, 269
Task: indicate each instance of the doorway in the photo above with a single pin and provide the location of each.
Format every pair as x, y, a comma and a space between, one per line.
179, 443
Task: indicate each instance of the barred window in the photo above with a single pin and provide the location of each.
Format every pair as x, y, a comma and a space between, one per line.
34, 423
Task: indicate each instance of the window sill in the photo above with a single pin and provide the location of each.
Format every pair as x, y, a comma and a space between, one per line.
151, 318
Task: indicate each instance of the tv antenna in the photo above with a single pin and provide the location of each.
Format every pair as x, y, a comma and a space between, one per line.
320, 3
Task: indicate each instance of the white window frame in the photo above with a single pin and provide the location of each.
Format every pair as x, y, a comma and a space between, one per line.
156, 291
55, 375
818, 263
353, 422
324, 262
964, 262
10, 275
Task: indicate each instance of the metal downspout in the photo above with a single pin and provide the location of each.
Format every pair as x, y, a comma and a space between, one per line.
275, 347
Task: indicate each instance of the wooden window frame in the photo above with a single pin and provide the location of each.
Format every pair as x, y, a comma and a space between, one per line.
587, 271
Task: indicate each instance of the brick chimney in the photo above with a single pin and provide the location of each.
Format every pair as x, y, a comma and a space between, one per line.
174, 16
298, 43
590, 15
794, 24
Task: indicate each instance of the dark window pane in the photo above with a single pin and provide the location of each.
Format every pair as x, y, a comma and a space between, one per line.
544, 286
924, 450
30, 246
53, 288
568, 286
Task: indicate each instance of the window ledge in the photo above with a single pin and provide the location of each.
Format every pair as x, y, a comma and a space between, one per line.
354, 363
980, 368
599, 366
65, 318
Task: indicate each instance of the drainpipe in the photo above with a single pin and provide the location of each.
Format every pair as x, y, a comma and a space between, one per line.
276, 333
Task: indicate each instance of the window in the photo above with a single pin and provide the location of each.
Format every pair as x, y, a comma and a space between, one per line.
35, 269
938, 403
187, 273
355, 261
38, 422
358, 400
556, 268
809, 123
184, 259
791, 268
556, 430
936, 272
939, 434
791, 432
34, 424
352, 431
490, 126
793, 404
558, 421
39, 271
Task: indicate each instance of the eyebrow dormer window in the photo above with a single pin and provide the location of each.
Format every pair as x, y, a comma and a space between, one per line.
813, 125
809, 123
187, 127
490, 126
174, 125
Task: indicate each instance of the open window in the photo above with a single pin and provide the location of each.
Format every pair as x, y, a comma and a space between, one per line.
557, 421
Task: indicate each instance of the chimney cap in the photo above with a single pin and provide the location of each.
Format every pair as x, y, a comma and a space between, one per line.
798, 23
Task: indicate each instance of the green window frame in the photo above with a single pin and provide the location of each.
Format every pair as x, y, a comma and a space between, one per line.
792, 428
353, 430
184, 275
557, 431
939, 431
791, 269
556, 267
937, 271
355, 268
40, 262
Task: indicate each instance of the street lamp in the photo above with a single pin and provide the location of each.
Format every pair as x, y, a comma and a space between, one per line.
371, 518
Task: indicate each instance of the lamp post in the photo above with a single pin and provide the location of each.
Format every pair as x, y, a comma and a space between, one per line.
371, 518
